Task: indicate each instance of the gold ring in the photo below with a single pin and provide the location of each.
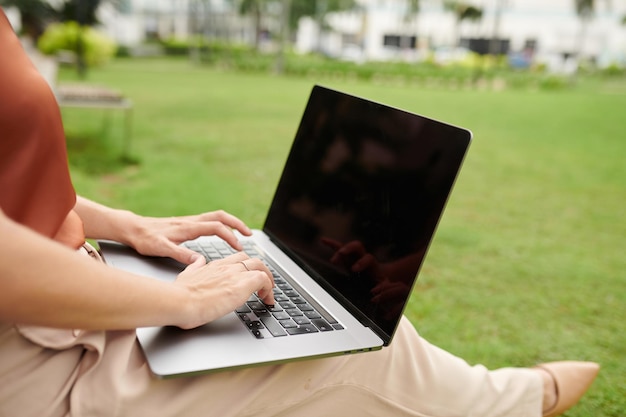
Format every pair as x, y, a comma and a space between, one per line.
244, 265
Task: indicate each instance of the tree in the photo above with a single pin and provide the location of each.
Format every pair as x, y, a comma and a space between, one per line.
33, 14
412, 10
585, 10
494, 44
462, 11
318, 10
36, 14
199, 22
254, 8
285, 11
82, 12
293, 10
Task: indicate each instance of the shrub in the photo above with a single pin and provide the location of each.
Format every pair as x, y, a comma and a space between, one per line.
553, 82
98, 48
613, 70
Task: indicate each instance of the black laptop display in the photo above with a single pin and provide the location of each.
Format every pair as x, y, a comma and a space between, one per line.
375, 179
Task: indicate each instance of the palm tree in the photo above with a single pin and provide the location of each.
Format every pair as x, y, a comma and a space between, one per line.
462, 11
585, 10
199, 13
279, 65
412, 10
291, 12
254, 8
318, 10
494, 47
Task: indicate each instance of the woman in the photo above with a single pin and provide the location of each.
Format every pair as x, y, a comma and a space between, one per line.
67, 342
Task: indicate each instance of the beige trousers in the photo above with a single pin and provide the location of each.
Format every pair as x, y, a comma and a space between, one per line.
409, 378
51, 372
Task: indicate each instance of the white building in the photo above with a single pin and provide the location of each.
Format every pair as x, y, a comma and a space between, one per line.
551, 28
137, 21
381, 29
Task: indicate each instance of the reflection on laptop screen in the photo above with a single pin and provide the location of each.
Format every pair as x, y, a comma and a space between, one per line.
361, 224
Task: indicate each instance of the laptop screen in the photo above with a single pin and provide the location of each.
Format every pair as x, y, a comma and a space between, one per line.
359, 199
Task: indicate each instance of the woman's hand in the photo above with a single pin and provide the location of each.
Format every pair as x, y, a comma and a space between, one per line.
161, 236
221, 286
158, 236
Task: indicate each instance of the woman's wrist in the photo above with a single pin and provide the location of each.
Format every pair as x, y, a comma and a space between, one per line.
125, 226
102, 222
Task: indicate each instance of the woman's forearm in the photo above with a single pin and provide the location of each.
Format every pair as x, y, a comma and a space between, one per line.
101, 222
45, 283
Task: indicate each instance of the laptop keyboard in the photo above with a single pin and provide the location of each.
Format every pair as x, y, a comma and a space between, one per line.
294, 312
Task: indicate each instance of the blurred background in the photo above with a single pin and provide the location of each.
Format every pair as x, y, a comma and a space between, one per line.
175, 107
557, 36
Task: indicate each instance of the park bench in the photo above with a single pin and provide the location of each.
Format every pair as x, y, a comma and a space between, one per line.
86, 96
98, 97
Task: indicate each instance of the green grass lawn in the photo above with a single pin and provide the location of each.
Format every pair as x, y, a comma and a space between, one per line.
528, 262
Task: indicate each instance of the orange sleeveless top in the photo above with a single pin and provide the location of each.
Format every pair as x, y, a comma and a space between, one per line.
35, 185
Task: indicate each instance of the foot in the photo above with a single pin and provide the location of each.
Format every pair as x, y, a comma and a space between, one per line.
564, 384
549, 390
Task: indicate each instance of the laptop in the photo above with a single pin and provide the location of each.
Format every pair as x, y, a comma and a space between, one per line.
353, 214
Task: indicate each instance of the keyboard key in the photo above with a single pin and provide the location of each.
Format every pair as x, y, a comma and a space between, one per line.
288, 323
256, 305
312, 314
251, 252
254, 325
322, 325
301, 320
210, 253
273, 326
304, 329
281, 315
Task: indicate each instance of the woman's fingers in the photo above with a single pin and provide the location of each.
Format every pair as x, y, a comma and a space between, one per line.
221, 286
227, 219
255, 266
159, 236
